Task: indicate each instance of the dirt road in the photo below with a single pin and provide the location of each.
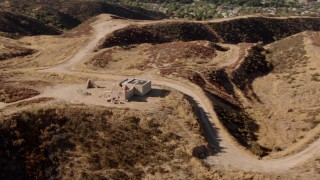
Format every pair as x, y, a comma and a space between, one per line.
229, 153
103, 26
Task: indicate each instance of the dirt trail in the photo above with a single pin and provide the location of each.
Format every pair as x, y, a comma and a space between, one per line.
105, 25
2, 105
229, 153
227, 59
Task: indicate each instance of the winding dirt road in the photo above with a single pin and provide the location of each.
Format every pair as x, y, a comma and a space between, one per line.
229, 153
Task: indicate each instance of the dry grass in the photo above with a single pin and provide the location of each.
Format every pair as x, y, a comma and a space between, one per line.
48, 50
9, 52
31, 102
9, 94
286, 53
287, 110
163, 55
315, 37
85, 142
101, 60
17, 86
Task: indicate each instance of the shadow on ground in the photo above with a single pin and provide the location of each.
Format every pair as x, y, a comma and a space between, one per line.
155, 92
208, 129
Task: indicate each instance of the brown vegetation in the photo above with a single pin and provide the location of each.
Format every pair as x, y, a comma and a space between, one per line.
287, 53
158, 33
251, 67
13, 25
31, 102
86, 142
13, 91
250, 30
176, 52
9, 94
9, 52
101, 60
240, 125
70, 13
266, 30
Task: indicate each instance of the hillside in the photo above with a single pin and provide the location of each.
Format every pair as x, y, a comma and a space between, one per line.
188, 50
13, 25
230, 99
70, 13
111, 143
286, 103
249, 29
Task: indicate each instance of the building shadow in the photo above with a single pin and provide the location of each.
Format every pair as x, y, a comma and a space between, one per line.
208, 129
155, 92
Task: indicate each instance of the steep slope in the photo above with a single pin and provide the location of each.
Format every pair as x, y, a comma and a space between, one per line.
13, 25
78, 141
70, 13
158, 33
243, 29
266, 30
287, 109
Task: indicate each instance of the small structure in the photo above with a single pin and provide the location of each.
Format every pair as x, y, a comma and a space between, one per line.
126, 89
141, 87
91, 84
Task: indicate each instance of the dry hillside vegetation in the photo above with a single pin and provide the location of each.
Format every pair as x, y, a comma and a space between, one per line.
64, 141
13, 26
9, 52
287, 109
66, 14
183, 53
9, 94
95, 142
146, 56
240, 90
103, 59
220, 87
38, 51
239, 30
196, 61
264, 29
13, 91
158, 33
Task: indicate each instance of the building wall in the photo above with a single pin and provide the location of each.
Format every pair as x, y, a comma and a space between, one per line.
146, 88
138, 91
142, 90
129, 93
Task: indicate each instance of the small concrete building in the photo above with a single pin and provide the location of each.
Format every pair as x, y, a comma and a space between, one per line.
126, 89
141, 87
